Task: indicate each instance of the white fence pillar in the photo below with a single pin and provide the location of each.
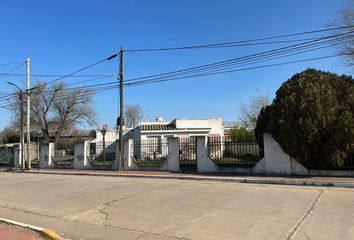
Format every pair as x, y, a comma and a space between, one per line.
129, 163
204, 163
80, 156
277, 161
173, 154
17, 156
115, 163
46, 161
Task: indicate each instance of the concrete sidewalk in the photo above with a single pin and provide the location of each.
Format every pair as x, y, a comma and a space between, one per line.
255, 179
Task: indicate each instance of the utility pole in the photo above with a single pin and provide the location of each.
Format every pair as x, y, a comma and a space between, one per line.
28, 111
22, 131
121, 108
22, 135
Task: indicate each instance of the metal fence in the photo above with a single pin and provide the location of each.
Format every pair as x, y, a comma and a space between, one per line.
63, 153
230, 152
150, 152
187, 153
6, 156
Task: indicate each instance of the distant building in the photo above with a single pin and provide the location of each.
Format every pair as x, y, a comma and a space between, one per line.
180, 127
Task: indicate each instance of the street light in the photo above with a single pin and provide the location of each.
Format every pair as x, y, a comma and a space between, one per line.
104, 131
22, 138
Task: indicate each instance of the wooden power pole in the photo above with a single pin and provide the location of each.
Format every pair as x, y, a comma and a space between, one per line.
121, 109
28, 113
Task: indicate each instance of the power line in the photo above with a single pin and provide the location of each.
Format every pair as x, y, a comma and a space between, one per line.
6, 64
207, 69
99, 88
236, 43
143, 82
248, 58
77, 71
59, 75
7, 73
226, 64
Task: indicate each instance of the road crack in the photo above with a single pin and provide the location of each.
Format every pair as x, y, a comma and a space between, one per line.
307, 213
100, 215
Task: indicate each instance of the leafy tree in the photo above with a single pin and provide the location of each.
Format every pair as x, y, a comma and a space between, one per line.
249, 111
241, 134
312, 117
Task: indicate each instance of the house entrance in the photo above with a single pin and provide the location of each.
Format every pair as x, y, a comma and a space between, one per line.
187, 154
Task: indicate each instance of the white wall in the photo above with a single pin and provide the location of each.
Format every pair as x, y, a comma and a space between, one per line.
214, 123
277, 161
111, 136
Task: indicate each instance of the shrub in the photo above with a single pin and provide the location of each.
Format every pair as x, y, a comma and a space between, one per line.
312, 117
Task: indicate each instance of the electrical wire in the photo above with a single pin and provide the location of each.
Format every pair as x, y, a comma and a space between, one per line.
248, 58
77, 71
235, 43
7, 73
6, 64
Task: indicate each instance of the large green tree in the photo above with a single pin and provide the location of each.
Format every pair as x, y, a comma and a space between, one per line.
312, 117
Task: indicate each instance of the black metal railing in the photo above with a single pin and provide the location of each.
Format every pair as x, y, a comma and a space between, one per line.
187, 153
150, 152
6, 156
235, 152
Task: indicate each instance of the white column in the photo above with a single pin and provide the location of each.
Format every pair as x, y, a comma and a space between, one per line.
204, 163
80, 156
46, 160
173, 154
129, 163
17, 156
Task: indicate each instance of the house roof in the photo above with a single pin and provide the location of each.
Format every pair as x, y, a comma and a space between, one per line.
168, 127
157, 127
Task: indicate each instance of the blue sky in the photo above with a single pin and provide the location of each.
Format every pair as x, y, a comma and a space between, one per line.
62, 36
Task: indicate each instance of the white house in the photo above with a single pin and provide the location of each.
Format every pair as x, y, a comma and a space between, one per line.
151, 138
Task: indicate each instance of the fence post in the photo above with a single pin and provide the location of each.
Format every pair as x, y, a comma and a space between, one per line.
173, 154
80, 155
128, 161
46, 160
17, 156
204, 163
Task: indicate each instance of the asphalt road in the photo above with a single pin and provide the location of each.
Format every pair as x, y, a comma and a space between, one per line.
90, 207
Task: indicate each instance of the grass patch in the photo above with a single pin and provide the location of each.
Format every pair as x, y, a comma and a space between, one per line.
46, 237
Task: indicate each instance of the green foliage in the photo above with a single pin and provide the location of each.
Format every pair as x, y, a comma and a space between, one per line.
312, 117
241, 134
9, 135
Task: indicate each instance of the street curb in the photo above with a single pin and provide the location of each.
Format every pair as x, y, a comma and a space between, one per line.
45, 231
211, 178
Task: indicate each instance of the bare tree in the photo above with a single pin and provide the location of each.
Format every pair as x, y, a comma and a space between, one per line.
56, 109
249, 111
133, 115
346, 18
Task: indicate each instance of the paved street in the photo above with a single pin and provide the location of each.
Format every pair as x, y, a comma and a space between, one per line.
91, 207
